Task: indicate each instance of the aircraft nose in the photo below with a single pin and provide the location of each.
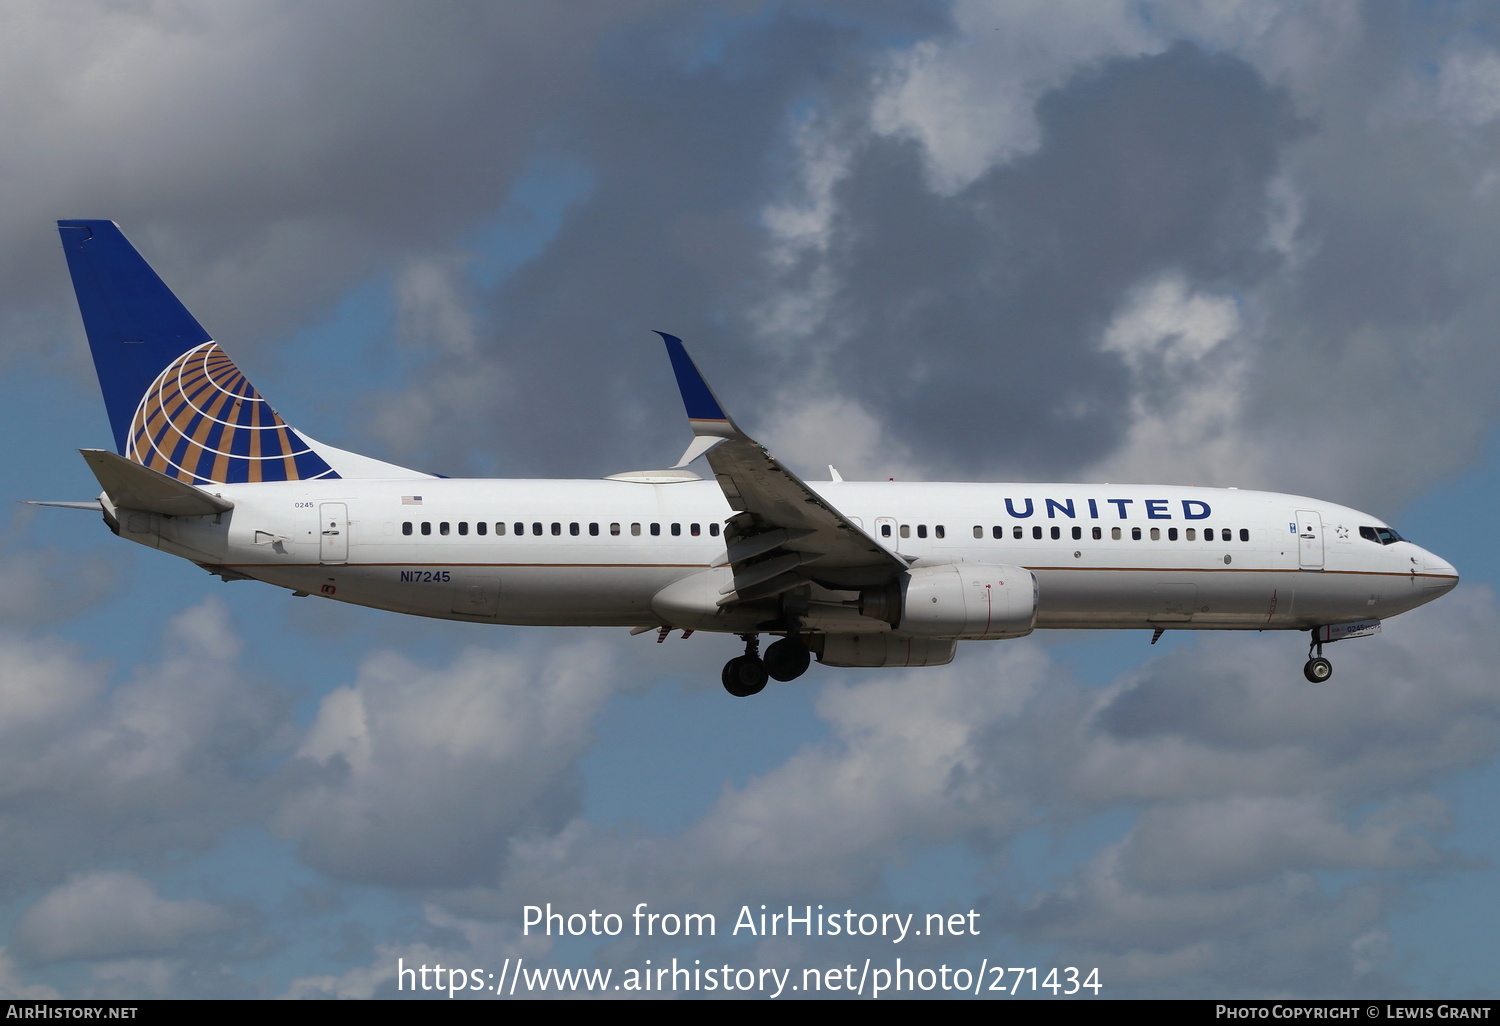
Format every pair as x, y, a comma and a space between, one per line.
1439, 575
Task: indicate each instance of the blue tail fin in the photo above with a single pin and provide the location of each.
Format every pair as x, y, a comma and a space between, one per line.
176, 402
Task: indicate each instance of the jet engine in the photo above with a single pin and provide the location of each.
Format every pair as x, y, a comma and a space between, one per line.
957, 600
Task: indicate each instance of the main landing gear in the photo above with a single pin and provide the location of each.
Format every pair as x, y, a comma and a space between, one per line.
1317, 669
746, 675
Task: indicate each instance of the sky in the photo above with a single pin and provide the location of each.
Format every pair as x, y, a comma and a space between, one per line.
1244, 243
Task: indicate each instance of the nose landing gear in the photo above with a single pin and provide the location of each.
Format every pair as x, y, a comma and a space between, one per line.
746, 675
1317, 669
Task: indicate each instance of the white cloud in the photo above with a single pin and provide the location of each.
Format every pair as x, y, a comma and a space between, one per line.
1469, 87
819, 427
1186, 387
13, 989
111, 914
426, 772
970, 98
161, 761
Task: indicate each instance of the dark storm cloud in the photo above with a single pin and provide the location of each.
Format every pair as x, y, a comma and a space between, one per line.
270, 155
979, 314
1384, 335
683, 154
1145, 165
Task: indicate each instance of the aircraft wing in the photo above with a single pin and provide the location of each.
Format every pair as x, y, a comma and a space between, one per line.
784, 534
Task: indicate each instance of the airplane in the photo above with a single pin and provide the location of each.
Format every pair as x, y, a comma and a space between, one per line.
854, 573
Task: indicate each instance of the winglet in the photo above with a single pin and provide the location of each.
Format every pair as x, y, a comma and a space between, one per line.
711, 425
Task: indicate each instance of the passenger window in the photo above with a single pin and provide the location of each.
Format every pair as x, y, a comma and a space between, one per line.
713, 529
694, 530
1171, 534
885, 530
406, 528
1135, 534
978, 531
676, 530
998, 532
520, 528
556, 528
443, 527
482, 527
1056, 532
463, 527
1244, 534
614, 529
938, 530
1114, 533
1098, 533
1017, 532
573, 529
635, 530
426, 527
655, 530
1077, 533
1192, 534
536, 528
1036, 533
500, 527
921, 530
593, 530
1156, 534
1208, 534
906, 530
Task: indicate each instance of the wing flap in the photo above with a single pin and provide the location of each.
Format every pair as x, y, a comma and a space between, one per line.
780, 521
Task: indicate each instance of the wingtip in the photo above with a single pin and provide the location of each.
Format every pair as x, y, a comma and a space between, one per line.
697, 398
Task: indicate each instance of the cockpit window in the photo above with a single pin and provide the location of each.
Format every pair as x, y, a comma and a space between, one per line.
1380, 535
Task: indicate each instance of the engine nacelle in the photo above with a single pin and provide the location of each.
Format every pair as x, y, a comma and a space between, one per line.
881, 650
959, 600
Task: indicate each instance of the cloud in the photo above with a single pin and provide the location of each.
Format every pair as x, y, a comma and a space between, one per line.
426, 773
969, 97
166, 759
1469, 87
981, 311
280, 150
111, 914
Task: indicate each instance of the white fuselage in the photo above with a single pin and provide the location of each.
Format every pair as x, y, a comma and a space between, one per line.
596, 553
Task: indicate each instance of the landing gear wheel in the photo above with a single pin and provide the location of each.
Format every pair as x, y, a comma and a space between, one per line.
787, 659
744, 676
1317, 670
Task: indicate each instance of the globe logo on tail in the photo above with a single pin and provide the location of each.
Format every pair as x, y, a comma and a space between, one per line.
202, 422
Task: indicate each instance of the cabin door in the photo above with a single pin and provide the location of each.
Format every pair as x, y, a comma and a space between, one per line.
333, 532
1309, 540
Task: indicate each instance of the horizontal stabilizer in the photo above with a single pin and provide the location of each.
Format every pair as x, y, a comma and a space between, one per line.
92, 504
132, 486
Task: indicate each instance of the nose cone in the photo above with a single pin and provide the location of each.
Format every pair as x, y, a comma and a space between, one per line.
1438, 575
